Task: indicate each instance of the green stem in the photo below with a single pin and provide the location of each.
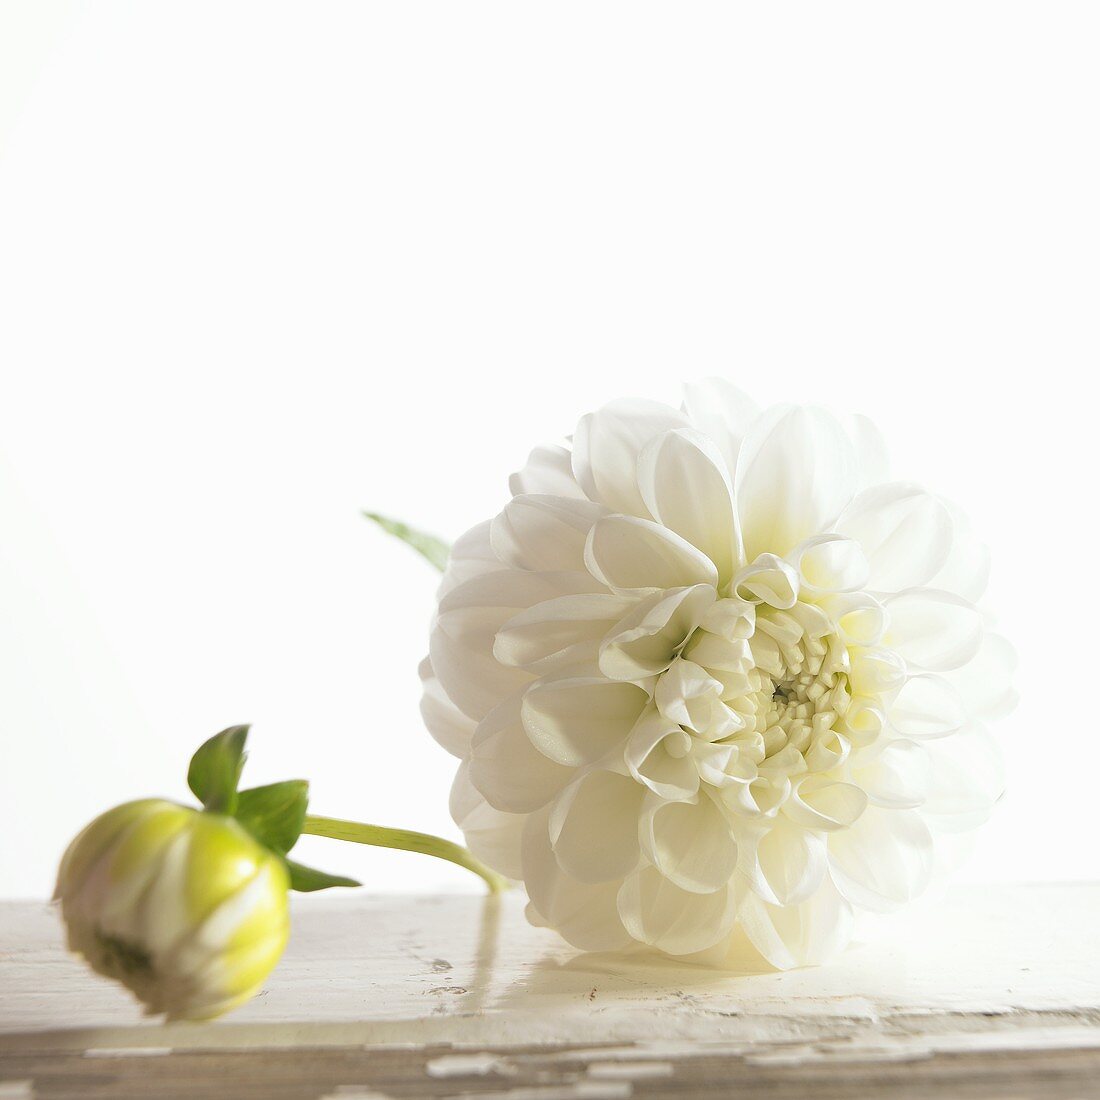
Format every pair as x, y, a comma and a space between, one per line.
406, 840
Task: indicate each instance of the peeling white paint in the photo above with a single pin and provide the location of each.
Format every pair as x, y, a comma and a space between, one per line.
126, 1052
629, 1071
468, 1065
577, 1090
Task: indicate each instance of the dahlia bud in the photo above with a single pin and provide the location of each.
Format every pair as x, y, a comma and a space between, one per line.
184, 908
188, 908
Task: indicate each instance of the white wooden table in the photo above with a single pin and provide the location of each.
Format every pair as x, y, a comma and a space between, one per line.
995, 992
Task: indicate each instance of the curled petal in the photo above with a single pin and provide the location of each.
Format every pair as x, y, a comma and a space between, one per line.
927, 706
884, 860
606, 446
544, 532
859, 618
585, 914
687, 694
549, 472
830, 563
671, 775
787, 863
933, 630
795, 473
492, 836
876, 671
559, 633
863, 721
466, 626
689, 842
628, 554
720, 410
660, 913
818, 802
685, 485
594, 826
731, 619
895, 774
769, 580
759, 799
507, 769
446, 723
647, 640
471, 556
905, 533
799, 935
577, 721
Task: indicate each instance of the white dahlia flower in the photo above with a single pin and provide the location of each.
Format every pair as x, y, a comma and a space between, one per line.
711, 675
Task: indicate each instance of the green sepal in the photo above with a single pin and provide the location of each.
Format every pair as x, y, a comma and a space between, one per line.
433, 549
274, 814
307, 879
215, 770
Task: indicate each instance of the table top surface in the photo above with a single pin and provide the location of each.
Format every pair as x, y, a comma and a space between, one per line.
458, 995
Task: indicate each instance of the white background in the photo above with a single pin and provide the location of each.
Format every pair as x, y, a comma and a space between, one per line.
264, 264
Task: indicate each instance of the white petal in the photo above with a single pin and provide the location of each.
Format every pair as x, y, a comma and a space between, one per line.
687, 694
769, 579
628, 553
649, 761
446, 723
830, 563
585, 915
507, 769
966, 782
872, 454
492, 836
549, 471
904, 531
985, 683
859, 618
927, 706
560, 633
685, 485
884, 860
466, 626
658, 912
795, 473
577, 721
689, 842
799, 935
544, 532
875, 672
646, 641
895, 774
471, 556
932, 630
606, 446
594, 826
966, 569
818, 802
787, 863
721, 411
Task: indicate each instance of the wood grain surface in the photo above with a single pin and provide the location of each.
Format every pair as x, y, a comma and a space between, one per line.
992, 992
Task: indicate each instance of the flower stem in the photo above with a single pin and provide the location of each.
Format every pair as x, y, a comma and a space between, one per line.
406, 840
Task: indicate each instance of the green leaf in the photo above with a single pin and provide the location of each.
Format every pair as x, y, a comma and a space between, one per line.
307, 879
274, 814
215, 770
432, 548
